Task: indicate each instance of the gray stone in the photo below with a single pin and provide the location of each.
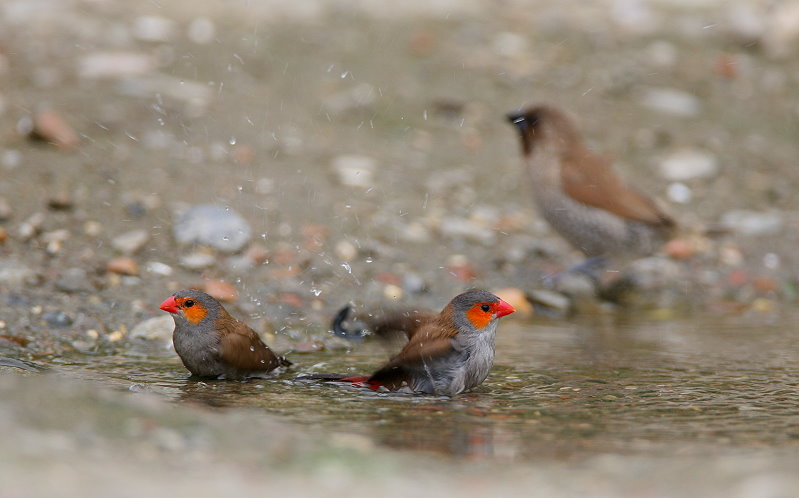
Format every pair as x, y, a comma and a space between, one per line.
355, 171
197, 260
753, 223
74, 280
671, 101
57, 319
130, 242
214, 226
14, 273
158, 328
688, 164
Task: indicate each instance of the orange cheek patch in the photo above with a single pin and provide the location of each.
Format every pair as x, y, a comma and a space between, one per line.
478, 317
195, 314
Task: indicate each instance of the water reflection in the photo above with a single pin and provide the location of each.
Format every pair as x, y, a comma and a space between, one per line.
559, 390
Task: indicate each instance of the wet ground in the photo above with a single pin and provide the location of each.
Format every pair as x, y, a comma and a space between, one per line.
366, 150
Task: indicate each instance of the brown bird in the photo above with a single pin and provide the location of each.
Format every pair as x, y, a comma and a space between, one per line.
579, 193
446, 353
211, 343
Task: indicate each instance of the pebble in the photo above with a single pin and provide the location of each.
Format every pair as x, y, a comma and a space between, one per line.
688, 164
671, 101
220, 290
392, 291
115, 64
516, 298
214, 226
781, 36
92, 228
680, 249
14, 273
454, 227
550, 299
74, 280
197, 260
413, 283
345, 251
355, 170
158, 268
158, 328
57, 319
679, 193
48, 125
6, 211
153, 29
202, 31
3, 235
30, 227
123, 266
753, 223
62, 201
130, 242
358, 97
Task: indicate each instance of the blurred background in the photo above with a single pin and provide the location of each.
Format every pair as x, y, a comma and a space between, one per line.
292, 156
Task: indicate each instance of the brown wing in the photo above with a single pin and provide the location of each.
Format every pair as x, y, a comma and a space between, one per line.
240, 346
430, 341
590, 179
399, 323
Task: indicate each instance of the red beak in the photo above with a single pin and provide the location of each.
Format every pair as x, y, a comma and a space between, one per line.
171, 305
503, 309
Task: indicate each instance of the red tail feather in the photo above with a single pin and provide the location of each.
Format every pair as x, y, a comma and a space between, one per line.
362, 381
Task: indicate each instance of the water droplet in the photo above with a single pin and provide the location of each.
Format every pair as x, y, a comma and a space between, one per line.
232, 141
263, 361
240, 188
316, 292
369, 259
263, 235
252, 348
347, 267
345, 74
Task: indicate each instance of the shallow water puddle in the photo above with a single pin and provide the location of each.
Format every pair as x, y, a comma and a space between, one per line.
558, 390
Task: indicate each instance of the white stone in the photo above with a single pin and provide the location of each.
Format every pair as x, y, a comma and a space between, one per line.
688, 164
153, 28
671, 101
354, 170
753, 223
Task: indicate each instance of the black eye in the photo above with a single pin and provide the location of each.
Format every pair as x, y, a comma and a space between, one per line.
188, 303
485, 308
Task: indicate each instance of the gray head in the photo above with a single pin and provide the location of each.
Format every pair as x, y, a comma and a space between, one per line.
476, 309
193, 307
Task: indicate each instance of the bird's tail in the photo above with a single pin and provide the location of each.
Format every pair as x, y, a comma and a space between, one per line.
355, 380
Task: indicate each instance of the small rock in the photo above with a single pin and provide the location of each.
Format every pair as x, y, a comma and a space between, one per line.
57, 319
49, 126
680, 249
688, 164
671, 101
392, 291
158, 268
123, 266
92, 228
753, 223
356, 98
202, 31
62, 201
550, 299
74, 280
345, 250
153, 29
158, 328
516, 298
413, 283
115, 64
197, 260
309, 346
3, 235
6, 211
781, 36
355, 171
679, 193
220, 290
214, 226
765, 284
130, 242
459, 267
32, 226
14, 273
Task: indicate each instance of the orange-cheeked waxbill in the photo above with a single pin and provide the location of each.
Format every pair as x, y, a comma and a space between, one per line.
446, 353
213, 344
